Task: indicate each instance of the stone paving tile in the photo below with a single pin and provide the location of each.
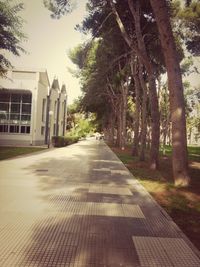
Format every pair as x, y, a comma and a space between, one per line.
116, 190
92, 216
164, 252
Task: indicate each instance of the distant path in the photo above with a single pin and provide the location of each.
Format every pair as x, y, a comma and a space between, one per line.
79, 206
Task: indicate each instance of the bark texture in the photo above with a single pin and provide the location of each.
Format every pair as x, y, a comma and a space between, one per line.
176, 98
155, 118
144, 113
134, 73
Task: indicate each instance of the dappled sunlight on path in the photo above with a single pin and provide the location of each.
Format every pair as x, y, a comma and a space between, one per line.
79, 206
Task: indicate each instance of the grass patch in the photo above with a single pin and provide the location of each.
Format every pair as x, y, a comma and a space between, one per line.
193, 152
10, 152
182, 204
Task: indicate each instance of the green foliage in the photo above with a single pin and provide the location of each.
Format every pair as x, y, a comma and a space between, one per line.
193, 152
10, 32
75, 107
190, 16
77, 55
58, 8
58, 141
79, 124
61, 141
192, 100
187, 66
83, 125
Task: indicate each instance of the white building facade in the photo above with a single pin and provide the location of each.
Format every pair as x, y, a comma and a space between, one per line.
56, 111
24, 103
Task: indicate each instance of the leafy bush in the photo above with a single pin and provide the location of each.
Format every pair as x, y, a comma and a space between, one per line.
61, 141
58, 141
71, 139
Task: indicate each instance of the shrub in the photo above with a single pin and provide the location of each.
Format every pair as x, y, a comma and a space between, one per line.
71, 139
61, 141
58, 141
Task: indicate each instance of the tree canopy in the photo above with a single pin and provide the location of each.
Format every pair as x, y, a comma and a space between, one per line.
121, 67
11, 33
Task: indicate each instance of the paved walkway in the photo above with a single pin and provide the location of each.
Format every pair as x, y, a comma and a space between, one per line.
80, 207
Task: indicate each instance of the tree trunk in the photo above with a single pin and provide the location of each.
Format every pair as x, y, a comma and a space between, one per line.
110, 129
137, 108
144, 113
119, 123
176, 98
155, 118
124, 90
153, 94
166, 129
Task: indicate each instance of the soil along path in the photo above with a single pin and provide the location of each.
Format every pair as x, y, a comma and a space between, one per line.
79, 206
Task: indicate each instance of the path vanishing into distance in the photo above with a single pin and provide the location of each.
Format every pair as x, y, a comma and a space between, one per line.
79, 206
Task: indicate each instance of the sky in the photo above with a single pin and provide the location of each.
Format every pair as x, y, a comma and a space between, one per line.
49, 41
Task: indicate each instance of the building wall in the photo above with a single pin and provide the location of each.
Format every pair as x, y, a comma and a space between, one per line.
40, 113
22, 82
47, 108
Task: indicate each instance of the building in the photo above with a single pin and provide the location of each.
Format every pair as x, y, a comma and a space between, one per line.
56, 111
26, 105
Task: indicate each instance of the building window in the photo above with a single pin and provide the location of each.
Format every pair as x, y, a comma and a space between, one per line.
25, 119
42, 130
3, 128
15, 112
4, 107
55, 110
27, 98
5, 97
26, 108
54, 129
14, 128
25, 129
15, 98
43, 109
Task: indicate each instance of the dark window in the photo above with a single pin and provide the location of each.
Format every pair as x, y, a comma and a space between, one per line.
14, 128
25, 129
15, 108
54, 129
16, 98
3, 128
4, 97
26, 109
14, 116
43, 108
3, 115
42, 130
4, 107
25, 118
26, 98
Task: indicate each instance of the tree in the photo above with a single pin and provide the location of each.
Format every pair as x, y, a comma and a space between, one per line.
10, 33
192, 100
58, 7
189, 20
134, 73
176, 97
107, 77
144, 57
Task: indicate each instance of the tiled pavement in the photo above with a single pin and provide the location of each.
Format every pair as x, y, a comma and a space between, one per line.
80, 207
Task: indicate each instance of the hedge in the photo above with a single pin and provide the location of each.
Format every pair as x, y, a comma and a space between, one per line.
60, 141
